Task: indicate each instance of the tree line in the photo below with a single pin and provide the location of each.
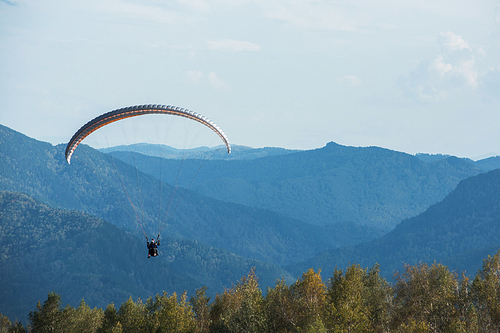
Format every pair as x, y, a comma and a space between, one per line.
422, 298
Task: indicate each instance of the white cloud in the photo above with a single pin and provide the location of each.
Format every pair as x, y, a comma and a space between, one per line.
232, 45
467, 71
454, 42
492, 81
463, 71
450, 72
430, 94
441, 66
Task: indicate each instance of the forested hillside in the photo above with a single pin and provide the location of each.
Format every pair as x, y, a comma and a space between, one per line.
208, 242
91, 185
335, 184
44, 249
424, 298
457, 231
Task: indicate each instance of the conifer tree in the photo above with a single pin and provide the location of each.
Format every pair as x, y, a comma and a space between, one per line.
4, 323
47, 317
110, 319
132, 316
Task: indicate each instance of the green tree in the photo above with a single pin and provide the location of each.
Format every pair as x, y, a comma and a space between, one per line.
427, 299
132, 316
17, 327
309, 292
201, 307
4, 323
109, 320
47, 317
167, 314
297, 307
82, 319
347, 309
467, 310
378, 295
239, 309
280, 308
486, 290
117, 328
315, 327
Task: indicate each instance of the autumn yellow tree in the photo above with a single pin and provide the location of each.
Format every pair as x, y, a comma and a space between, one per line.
427, 300
358, 301
239, 309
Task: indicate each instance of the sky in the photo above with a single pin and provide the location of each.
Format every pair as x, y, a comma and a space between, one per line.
416, 76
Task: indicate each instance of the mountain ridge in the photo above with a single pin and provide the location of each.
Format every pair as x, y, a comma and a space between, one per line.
463, 226
89, 185
368, 186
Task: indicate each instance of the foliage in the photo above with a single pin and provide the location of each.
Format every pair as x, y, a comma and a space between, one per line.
51, 317
358, 300
423, 299
486, 289
200, 303
426, 297
240, 308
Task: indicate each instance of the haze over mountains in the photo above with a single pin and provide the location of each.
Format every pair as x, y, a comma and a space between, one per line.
281, 211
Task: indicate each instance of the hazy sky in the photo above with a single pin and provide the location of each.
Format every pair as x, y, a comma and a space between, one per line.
408, 75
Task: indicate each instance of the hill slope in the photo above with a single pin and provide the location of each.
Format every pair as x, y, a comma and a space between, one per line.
90, 185
457, 231
44, 249
336, 184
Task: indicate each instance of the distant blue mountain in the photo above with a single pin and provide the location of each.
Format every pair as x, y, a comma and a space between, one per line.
215, 153
486, 164
332, 185
458, 231
102, 186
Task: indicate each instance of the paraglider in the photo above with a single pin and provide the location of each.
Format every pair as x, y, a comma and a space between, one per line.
133, 111
152, 247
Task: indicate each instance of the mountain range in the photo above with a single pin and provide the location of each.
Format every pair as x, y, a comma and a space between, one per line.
280, 211
372, 187
459, 232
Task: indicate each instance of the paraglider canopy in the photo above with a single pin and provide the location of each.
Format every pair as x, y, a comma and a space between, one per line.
138, 110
